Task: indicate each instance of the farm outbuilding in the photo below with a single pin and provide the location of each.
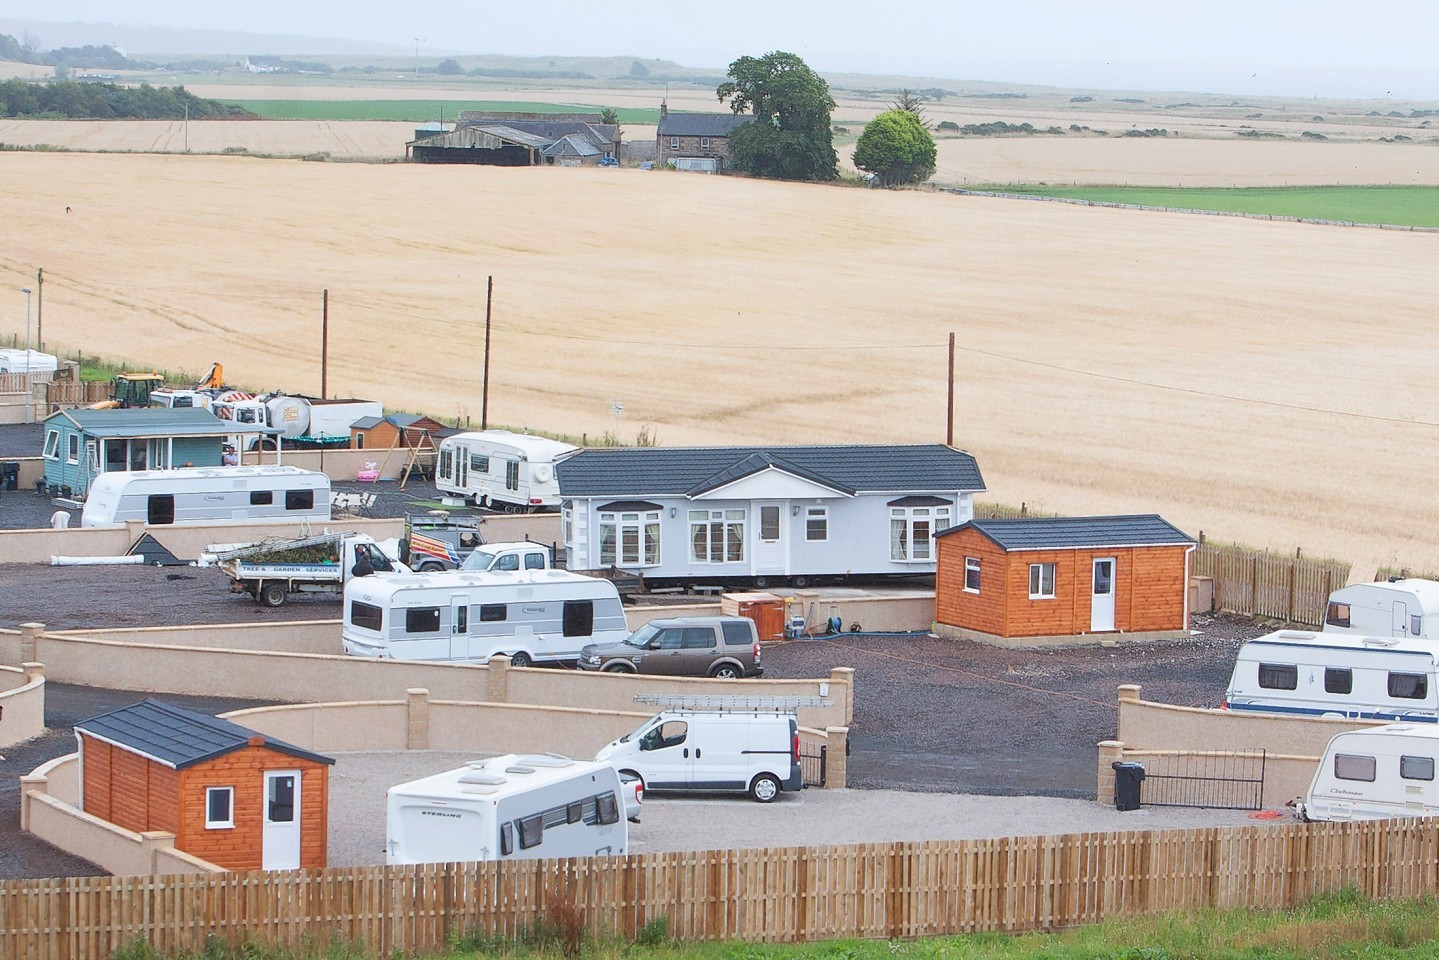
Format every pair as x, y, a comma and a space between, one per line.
395, 430
518, 140
1054, 580
228, 794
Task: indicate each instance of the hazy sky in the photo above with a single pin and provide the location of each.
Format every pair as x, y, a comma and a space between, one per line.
1374, 49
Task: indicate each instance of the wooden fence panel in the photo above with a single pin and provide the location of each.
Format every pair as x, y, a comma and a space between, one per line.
1259, 583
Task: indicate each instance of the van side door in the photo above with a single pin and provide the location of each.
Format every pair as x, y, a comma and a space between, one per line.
665, 759
721, 753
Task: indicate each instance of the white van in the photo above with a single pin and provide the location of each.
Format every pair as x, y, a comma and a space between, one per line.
207, 495
1375, 773
498, 468
1397, 608
532, 616
507, 808
754, 752
1301, 673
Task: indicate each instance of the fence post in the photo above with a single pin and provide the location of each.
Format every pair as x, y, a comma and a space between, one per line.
30, 634
498, 690
836, 758
845, 677
1253, 585
417, 728
1293, 573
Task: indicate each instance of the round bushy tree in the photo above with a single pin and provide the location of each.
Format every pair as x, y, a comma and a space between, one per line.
896, 148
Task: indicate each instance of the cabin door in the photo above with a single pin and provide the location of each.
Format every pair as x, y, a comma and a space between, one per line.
1101, 605
770, 549
281, 833
1401, 619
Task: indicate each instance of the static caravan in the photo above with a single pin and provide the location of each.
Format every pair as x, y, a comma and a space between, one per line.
1398, 608
531, 616
497, 468
507, 808
1301, 673
27, 361
1374, 774
208, 495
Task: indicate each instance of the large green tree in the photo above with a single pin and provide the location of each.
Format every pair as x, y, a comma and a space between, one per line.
896, 147
790, 137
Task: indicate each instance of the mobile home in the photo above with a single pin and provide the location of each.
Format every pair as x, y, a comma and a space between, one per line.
497, 468
514, 807
1300, 673
1398, 608
208, 495
1374, 774
531, 616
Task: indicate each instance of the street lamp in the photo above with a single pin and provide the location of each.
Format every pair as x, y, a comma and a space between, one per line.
28, 359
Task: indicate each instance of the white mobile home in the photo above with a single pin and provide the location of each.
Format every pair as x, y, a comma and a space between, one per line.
531, 616
507, 808
208, 495
1301, 673
1374, 774
763, 515
497, 468
1398, 608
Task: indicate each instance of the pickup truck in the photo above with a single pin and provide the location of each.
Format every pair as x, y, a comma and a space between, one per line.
272, 570
514, 555
440, 543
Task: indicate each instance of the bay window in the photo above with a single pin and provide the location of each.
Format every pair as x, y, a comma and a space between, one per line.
717, 536
911, 532
631, 538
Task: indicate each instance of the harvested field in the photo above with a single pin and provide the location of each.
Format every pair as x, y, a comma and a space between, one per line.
1264, 382
351, 139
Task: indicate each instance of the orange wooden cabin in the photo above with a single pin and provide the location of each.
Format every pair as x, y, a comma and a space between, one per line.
1055, 579
395, 430
228, 794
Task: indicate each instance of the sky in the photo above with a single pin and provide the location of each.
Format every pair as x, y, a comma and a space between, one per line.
1379, 49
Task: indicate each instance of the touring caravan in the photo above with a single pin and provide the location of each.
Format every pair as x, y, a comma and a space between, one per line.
27, 361
1397, 608
497, 468
1375, 773
1301, 673
207, 495
531, 616
514, 807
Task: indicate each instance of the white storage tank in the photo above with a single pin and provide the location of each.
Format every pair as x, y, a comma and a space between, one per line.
290, 414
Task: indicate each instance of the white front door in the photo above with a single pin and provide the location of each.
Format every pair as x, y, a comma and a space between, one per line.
769, 554
1101, 605
281, 837
1401, 619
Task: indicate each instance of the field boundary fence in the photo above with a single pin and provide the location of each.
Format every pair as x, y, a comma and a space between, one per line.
797, 894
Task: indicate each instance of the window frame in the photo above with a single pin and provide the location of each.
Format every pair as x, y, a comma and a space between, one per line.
813, 516
1408, 763
1289, 672
1332, 676
72, 449
428, 613
725, 529
972, 565
674, 143
226, 824
905, 539
378, 618
1036, 581
300, 499
1421, 685
645, 527
52, 445
1354, 763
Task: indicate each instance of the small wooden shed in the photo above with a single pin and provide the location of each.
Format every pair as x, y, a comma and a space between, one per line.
1062, 579
228, 794
394, 430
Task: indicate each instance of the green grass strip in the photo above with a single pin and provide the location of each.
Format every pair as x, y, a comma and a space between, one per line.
420, 111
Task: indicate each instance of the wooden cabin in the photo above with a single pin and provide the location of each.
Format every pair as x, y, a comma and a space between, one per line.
395, 430
229, 795
1063, 579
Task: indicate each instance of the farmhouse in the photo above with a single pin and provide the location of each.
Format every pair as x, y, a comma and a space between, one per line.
1047, 580
229, 795
520, 140
695, 141
763, 514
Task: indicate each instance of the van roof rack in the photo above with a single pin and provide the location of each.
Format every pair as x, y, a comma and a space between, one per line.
722, 703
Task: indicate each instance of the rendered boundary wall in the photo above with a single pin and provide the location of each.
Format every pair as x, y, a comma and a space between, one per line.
22, 703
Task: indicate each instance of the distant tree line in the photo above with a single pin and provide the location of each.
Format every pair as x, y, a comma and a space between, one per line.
106, 101
106, 58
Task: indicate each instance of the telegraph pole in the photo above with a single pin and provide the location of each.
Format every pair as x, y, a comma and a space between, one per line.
485, 389
949, 410
40, 308
325, 344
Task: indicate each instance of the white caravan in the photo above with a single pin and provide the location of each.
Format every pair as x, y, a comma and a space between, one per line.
207, 495
1375, 773
507, 808
1398, 608
531, 616
1300, 673
497, 468
27, 361
754, 752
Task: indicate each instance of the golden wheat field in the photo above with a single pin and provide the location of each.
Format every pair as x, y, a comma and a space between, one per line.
1271, 383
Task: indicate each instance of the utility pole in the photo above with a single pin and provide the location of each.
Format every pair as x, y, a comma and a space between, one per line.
949, 409
418, 41
325, 344
485, 388
40, 308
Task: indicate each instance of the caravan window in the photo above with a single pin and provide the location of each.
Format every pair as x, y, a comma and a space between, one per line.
1337, 615
261, 498
1408, 686
532, 831
1416, 626
299, 499
507, 839
1416, 768
447, 460
422, 620
607, 808
574, 812
479, 463
579, 618
1348, 766
1278, 676
493, 612
366, 616
512, 475
1338, 680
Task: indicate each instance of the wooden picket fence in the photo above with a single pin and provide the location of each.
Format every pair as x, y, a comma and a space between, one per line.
66, 393
895, 890
1263, 584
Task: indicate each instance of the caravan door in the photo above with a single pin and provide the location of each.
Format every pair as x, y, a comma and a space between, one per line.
459, 627
769, 552
1401, 619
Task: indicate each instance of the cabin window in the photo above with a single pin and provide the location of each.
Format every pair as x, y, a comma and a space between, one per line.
607, 808
737, 634
630, 538
717, 536
512, 475
493, 612
52, 445
816, 524
532, 831
1416, 768
507, 839
1408, 686
359, 441
422, 620
1337, 615
911, 532
1348, 766
299, 499
366, 616
72, 454
262, 498
219, 808
971, 574
579, 618
479, 463
1338, 680
1278, 676
1041, 581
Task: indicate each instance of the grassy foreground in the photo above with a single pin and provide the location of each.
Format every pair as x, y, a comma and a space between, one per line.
1336, 927
418, 111
1403, 206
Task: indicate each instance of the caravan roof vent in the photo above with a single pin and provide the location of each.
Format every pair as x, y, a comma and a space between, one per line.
545, 760
479, 788
482, 779
519, 769
1380, 641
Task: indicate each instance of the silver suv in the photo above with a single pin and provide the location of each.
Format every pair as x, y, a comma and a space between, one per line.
723, 647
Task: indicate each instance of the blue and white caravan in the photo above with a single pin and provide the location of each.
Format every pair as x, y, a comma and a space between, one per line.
1299, 673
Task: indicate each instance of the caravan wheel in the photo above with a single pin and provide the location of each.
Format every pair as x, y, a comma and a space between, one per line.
521, 659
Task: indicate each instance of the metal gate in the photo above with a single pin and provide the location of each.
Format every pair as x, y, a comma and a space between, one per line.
1223, 780
812, 764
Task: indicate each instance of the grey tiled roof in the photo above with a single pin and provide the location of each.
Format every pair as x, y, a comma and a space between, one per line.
1063, 533
685, 471
700, 124
155, 421
179, 737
